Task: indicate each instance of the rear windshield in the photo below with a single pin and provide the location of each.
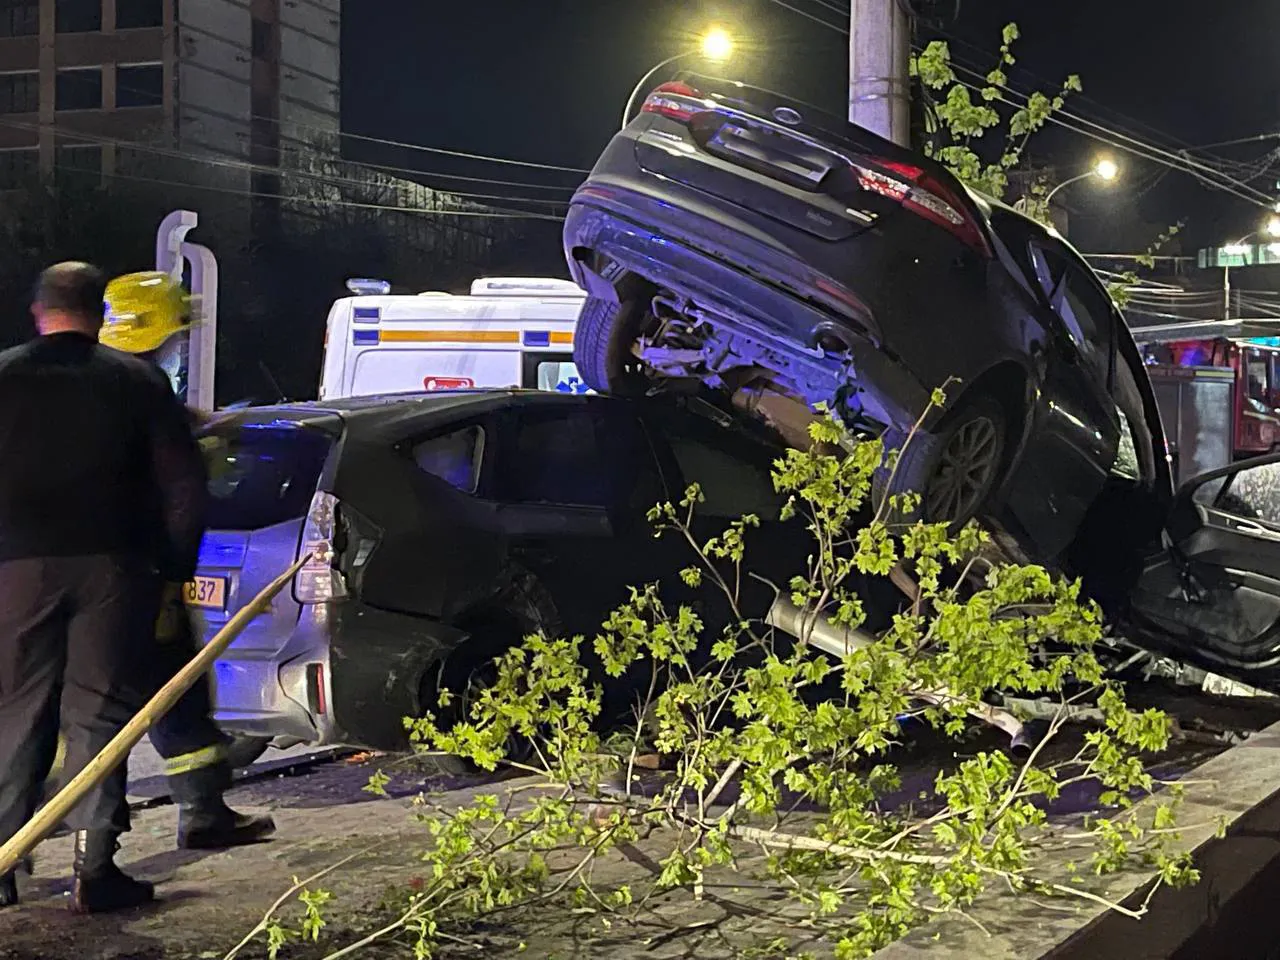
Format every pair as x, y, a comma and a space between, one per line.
262, 475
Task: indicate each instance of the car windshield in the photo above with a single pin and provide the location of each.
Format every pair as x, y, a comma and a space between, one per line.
260, 476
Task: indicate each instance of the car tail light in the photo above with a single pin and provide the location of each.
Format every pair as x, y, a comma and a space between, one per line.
315, 688
319, 580
923, 195
678, 101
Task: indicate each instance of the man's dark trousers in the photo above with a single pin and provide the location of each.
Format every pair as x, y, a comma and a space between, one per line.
76, 639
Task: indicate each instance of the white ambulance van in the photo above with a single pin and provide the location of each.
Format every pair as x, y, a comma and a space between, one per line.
505, 333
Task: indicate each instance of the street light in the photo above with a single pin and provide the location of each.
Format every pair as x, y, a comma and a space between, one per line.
1241, 248
716, 45
1104, 169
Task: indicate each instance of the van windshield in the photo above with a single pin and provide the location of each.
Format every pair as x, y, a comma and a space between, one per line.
260, 476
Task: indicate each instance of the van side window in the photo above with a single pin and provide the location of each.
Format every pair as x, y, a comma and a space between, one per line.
453, 457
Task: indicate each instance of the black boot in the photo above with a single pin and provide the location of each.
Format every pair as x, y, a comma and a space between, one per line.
210, 824
100, 886
8, 890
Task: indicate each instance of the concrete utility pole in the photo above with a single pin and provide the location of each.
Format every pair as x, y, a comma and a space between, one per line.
879, 68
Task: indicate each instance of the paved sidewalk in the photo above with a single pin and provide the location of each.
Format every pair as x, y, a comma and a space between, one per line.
209, 900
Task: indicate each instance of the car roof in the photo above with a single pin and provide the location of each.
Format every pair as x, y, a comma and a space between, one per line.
378, 410
389, 414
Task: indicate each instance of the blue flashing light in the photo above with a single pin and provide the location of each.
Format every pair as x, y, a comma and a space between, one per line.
366, 314
363, 287
365, 338
537, 338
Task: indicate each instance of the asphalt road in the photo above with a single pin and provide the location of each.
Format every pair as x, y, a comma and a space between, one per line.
146, 768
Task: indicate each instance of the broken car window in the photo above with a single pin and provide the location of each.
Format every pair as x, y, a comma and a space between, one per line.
455, 458
732, 487
1084, 308
1253, 494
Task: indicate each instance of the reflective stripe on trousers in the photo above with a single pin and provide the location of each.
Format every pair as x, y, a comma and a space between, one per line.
195, 760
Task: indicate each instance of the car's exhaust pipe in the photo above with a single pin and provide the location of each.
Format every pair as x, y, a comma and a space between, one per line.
839, 641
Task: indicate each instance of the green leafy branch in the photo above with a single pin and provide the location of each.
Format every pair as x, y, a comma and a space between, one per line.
967, 113
1121, 287
808, 740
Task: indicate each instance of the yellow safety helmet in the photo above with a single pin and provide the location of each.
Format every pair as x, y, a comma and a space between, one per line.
143, 311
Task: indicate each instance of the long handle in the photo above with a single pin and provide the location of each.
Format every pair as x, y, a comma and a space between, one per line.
97, 770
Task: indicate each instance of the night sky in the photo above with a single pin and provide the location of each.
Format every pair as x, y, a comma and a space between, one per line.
545, 81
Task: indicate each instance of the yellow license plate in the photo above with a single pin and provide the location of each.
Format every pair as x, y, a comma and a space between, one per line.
208, 593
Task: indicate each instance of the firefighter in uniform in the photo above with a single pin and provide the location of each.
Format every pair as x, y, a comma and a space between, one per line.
146, 309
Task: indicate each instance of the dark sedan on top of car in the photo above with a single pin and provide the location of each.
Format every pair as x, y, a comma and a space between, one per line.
733, 237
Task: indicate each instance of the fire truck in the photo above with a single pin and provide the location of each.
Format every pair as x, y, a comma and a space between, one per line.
1217, 385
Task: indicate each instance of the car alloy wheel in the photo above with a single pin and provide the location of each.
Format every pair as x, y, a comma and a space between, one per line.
966, 470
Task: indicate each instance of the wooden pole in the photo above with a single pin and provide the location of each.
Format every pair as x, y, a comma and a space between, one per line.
115, 752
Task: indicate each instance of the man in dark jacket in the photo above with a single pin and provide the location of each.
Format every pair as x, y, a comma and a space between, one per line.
102, 500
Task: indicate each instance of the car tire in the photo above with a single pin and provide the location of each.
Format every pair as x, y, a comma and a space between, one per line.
244, 751
954, 468
522, 607
602, 344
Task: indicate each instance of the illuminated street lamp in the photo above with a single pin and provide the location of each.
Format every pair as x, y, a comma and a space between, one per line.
716, 45
1105, 169
1241, 248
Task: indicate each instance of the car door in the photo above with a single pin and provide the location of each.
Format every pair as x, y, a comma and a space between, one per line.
1075, 433
574, 479
1212, 596
733, 467
702, 445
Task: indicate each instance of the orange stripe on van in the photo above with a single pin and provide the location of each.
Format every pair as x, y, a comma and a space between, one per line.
449, 336
561, 336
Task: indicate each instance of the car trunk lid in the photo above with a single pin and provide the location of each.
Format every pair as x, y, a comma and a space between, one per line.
831, 178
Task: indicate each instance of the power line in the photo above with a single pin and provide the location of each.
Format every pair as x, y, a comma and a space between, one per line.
809, 16
488, 214
383, 167
1238, 141
462, 155
842, 11
272, 170
485, 158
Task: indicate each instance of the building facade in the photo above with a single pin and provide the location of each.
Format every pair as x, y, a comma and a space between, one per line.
231, 81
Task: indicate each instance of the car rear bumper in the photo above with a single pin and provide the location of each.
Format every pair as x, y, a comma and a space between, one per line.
285, 695
748, 283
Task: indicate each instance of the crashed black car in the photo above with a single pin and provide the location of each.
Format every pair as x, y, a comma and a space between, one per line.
450, 526
734, 238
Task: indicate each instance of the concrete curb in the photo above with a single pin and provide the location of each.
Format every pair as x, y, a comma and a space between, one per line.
1241, 785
